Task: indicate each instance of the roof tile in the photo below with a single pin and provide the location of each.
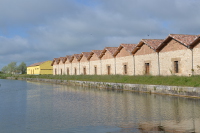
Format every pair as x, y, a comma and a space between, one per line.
36, 64
112, 50
153, 43
97, 52
129, 47
185, 39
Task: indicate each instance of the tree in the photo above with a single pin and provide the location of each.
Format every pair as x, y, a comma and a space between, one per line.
12, 68
5, 69
22, 68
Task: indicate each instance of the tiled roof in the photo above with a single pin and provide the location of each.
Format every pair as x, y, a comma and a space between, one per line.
57, 60
97, 52
86, 54
68, 57
36, 64
76, 56
152, 43
112, 50
185, 39
63, 59
128, 47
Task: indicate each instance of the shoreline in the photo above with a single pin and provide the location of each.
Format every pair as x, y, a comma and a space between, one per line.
190, 92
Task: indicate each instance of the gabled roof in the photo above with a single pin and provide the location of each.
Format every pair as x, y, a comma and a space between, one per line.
37, 64
152, 43
76, 56
112, 50
85, 54
57, 60
63, 59
68, 57
127, 47
186, 40
97, 52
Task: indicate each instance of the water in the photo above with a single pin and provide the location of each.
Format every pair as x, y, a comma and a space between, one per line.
31, 107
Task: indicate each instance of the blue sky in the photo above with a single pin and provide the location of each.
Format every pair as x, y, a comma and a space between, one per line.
38, 30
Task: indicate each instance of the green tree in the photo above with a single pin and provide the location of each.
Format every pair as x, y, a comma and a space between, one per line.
22, 68
5, 69
12, 68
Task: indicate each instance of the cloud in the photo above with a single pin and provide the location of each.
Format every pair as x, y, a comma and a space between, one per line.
38, 30
13, 45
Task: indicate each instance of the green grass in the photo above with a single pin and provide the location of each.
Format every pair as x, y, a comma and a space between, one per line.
193, 81
4, 76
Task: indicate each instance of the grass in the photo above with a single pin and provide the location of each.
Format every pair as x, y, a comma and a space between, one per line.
4, 76
193, 81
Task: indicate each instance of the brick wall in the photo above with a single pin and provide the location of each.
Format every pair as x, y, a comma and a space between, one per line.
175, 51
143, 56
124, 58
108, 61
68, 67
84, 64
196, 59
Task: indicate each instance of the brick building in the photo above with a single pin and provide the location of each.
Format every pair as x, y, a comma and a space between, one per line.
177, 54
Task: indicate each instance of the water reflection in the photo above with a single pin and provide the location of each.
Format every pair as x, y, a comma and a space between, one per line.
40, 107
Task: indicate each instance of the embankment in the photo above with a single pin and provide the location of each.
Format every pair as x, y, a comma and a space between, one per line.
155, 89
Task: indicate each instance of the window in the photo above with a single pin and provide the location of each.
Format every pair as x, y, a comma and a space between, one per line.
74, 71
84, 71
125, 69
95, 70
147, 69
108, 68
67, 71
55, 72
175, 66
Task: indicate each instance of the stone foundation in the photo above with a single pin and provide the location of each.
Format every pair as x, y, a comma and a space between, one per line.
155, 89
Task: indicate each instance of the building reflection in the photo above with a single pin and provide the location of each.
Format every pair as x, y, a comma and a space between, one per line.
122, 109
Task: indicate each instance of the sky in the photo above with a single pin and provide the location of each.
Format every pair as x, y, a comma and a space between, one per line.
33, 31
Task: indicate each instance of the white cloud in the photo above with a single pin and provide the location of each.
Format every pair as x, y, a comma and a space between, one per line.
50, 28
13, 45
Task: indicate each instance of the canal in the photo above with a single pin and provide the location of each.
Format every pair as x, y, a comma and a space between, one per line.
33, 107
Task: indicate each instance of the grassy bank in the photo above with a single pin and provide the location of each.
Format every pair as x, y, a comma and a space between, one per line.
193, 81
4, 76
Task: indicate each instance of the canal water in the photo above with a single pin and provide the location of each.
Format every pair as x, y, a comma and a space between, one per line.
32, 107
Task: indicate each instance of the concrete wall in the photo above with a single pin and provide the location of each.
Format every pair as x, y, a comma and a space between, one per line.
44, 68
35, 70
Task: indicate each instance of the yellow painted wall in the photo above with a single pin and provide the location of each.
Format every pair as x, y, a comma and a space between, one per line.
44, 68
33, 70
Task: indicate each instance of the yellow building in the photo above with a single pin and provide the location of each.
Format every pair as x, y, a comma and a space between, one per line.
40, 68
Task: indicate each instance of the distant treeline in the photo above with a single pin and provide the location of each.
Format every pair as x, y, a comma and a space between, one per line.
12, 68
